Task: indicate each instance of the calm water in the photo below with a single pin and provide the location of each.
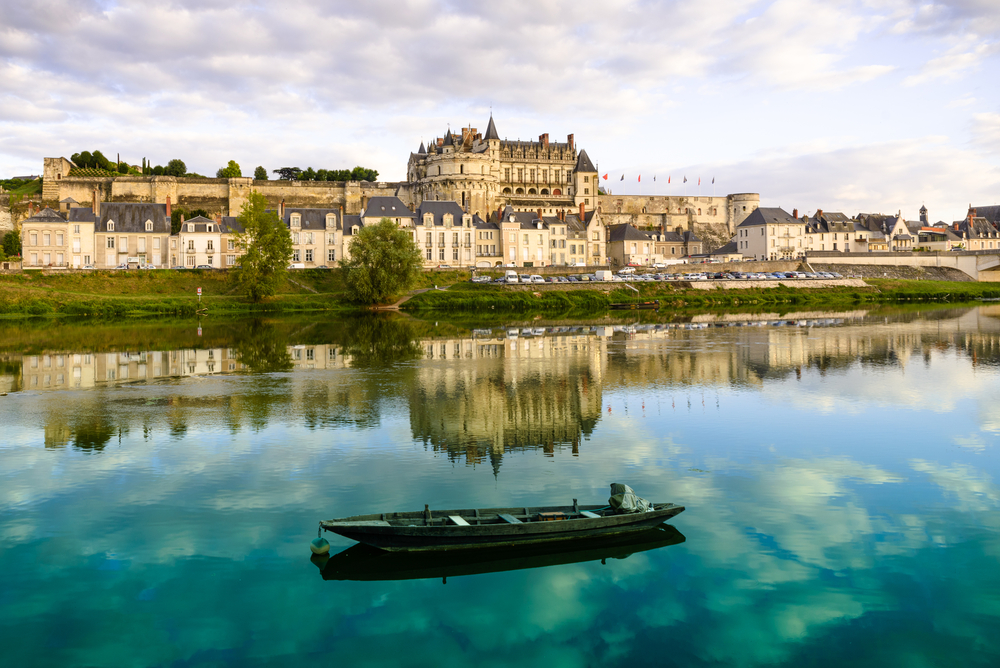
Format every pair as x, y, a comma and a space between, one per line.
159, 486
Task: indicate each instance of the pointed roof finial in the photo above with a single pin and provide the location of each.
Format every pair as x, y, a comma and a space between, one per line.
491, 129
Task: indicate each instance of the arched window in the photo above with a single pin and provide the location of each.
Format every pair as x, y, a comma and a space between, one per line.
557, 192
531, 191
461, 169
519, 191
149, 226
545, 191
506, 191
699, 210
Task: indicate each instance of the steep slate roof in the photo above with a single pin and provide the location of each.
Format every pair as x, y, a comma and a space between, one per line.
68, 200
990, 213
312, 219
728, 249
625, 232
421, 150
491, 130
481, 224
231, 225
583, 163
132, 217
46, 215
81, 215
764, 215
438, 210
387, 207
448, 141
350, 222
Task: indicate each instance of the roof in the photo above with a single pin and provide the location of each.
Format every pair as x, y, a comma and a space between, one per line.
350, 222
46, 215
491, 130
625, 232
132, 217
68, 200
728, 249
201, 224
81, 215
311, 219
765, 215
448, 141
231, 225
421, 150
388, 207
583, 163
481, 224
438, 210
990, 213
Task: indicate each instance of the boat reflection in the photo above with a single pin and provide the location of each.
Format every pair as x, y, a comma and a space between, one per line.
365, 563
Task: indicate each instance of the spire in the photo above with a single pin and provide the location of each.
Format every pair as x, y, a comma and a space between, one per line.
422, 149
447, 139
583, 163
491, 130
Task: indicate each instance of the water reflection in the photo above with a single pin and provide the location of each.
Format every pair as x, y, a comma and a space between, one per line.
363, 562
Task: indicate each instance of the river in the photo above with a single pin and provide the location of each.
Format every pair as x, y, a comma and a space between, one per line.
160, 483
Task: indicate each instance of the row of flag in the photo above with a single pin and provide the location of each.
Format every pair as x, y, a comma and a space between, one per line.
639, 180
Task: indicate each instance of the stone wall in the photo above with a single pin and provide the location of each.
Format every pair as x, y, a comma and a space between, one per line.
6, 220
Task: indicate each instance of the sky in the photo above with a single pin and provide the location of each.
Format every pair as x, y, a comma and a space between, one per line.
853, 105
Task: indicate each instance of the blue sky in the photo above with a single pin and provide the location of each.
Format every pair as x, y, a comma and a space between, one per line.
878, 105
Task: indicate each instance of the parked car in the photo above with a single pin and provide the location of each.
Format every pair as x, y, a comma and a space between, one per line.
204, 266
535, 278
88, 267
294, 265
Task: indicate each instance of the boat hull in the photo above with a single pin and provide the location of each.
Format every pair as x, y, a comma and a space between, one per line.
408, 531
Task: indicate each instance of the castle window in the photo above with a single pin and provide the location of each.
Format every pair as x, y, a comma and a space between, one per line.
506, 191
699, 211
449, 220
461, 169
586, 191
209, 228
506, 174
354, 229
586, 179
149, 226
111, 226
520, 174
557, 192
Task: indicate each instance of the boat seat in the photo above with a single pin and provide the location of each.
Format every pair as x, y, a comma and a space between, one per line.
457, 519
587, 513
510, 519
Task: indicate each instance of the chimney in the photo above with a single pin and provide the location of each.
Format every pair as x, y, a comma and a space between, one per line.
795, 214
544, 140
31, 209
569, 140
182, 217
582, 212
819, 213
281, 210
218, 217
168, 207
539, 214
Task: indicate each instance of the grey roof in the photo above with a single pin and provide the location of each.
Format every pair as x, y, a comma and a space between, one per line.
438, 210
231, 225
990, 213
68, 200
81, 215
201, 224
421, 150
481, 224
728, 249
491, 130
448, 141
311, 219
46, 215
765, 215
388, 207
132, 217
350, 222
625, 232
583, 163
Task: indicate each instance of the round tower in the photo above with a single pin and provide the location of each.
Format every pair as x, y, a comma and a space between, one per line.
740, 206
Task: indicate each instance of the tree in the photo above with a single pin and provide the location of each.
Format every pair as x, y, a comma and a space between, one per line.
12, 244
230, 171
320, 175
99, 161
83, 159
384, 263
267, 247
307, 175
157, 171
260, 174
364, 174
122, 168
288, 173
175, 167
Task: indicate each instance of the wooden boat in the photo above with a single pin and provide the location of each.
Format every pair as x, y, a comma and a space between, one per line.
493, 527
366, 563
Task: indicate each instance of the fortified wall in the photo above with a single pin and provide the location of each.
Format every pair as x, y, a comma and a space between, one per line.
224, 196
714, 219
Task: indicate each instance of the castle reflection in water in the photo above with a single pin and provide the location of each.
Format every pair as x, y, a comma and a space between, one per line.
491, 391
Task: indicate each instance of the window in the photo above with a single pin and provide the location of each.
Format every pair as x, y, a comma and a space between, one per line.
111, 226
34, 258
149, 226
331, 255
454, 253
34, 238
586, 179
123, 245
506, 174
46, 239
142, 245
190, 260
597, 236
441, 253
59, 239
76, 245
210, 260
210, 228
76, 229
296, 255
111, 244
230, 260
430, 253
210, 245
190, 227
513, 237
295, 237
309, 255
190, 245
296, 220
156, 243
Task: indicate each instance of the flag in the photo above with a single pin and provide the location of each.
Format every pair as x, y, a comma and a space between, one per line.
668, 178
685, 179
640, 178
654, 177
622, 178
699, 180
606, 178
713, 180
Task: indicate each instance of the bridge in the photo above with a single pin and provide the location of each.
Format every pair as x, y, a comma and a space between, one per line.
983, 265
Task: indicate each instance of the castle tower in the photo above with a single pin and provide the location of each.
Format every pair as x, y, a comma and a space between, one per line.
585, 182
923, 215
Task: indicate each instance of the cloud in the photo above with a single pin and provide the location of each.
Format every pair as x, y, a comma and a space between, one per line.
986, 131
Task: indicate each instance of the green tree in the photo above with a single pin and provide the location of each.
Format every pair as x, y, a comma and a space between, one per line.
260, 174
122, 168
307, 175
12, 244
364, 174
175, 167
230, 171
83, 159
267, 249
288, 173
384, 263
157, 171
99, 161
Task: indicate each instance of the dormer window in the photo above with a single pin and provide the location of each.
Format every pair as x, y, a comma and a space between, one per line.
190, 227
354, 229
111, 226
149, 226
449, 220
428, 219
331, 221
296, 220
210, 229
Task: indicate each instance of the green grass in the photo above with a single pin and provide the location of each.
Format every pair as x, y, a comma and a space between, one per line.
28, 189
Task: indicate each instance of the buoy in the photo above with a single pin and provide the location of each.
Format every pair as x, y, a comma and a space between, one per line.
319, 546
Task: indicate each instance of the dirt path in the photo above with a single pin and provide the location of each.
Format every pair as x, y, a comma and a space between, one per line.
403, 300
